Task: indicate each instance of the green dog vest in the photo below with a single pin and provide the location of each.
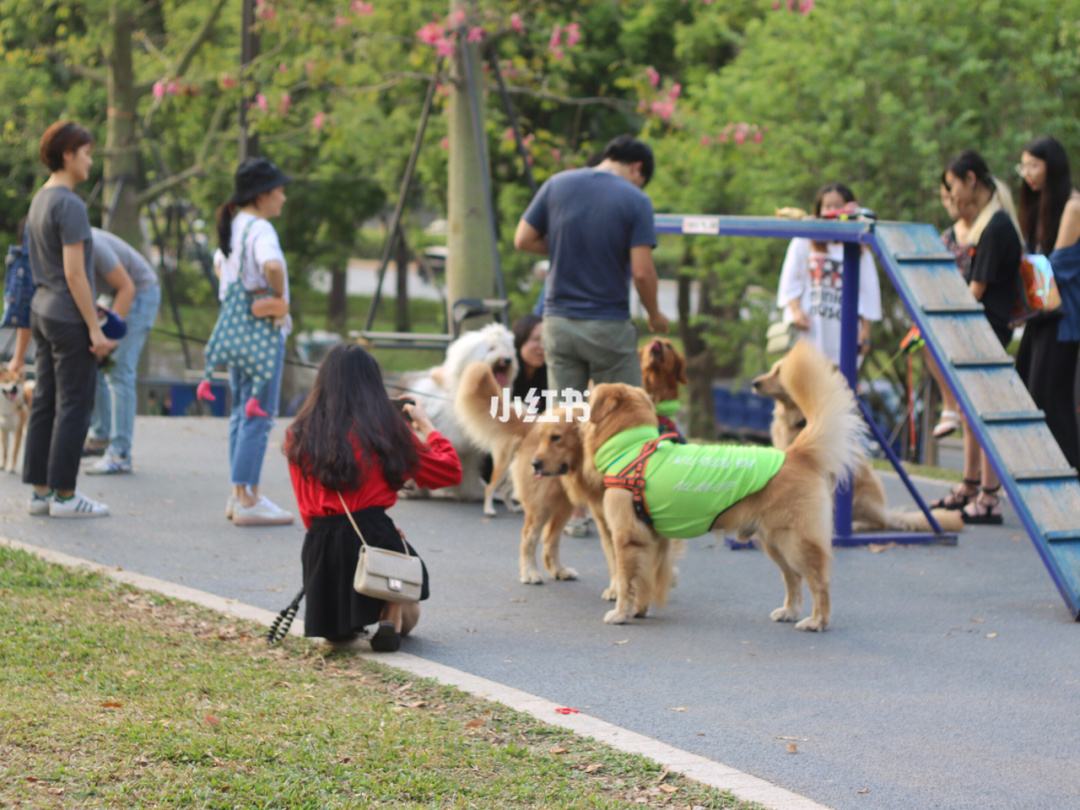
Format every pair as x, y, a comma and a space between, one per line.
688, 485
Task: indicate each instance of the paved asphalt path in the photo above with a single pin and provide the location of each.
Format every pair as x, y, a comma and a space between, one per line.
949, 678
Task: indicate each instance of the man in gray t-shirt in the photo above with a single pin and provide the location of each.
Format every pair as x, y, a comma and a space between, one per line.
120, 252
57, 217
597, 226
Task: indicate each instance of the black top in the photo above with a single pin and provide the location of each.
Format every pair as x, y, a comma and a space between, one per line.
522, 383
996, 263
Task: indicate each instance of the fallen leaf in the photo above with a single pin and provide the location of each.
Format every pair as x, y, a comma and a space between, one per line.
624, 641
792, 748
345, 760
141, 760
558, 749
131, 673
417, 705
863, 791
594, 767
32, 779
212, 720
663, 775
669, 789
476, 722
678, 708
111, 704
877, 548
991, 635
795, 739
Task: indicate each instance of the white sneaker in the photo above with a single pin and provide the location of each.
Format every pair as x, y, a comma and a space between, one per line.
263, 513
109, 465
39, 504
77, 506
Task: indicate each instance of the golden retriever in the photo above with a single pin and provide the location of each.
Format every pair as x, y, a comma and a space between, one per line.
663, 369
16, 396
868, 509
550, 478
792, 514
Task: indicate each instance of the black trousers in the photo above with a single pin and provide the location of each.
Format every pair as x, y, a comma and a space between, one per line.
65, 379
1048, 367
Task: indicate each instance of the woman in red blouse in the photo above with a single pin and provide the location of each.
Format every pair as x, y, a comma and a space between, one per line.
350, 438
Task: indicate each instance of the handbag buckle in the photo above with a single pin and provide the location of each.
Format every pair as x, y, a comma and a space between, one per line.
394, 584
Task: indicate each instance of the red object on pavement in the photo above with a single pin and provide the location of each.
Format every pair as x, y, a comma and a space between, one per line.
567, 710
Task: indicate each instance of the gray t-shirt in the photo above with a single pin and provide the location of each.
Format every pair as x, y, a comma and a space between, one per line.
57, 217
591, 219
110, 250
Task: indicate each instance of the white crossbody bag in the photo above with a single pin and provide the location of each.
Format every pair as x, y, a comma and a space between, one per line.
384, 574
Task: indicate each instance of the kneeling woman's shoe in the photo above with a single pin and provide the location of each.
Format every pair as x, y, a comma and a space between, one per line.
984, 510
386, 638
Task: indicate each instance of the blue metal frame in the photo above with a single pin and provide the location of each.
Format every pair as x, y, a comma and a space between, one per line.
853, 235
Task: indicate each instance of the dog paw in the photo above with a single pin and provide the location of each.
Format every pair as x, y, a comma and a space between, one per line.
532, 578
609, 594
616, 616
641, 612
514, 507
811, 624
489, 511
783, 614
566, 573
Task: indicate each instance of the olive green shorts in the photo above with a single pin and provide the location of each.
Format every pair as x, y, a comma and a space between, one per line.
577, 351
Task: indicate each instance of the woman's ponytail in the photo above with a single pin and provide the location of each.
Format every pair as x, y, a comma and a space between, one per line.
225, 214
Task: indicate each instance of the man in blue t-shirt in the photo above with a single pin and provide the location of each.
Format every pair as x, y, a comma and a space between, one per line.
596, 226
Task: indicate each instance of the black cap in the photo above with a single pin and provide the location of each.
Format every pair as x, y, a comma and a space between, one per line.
256, 176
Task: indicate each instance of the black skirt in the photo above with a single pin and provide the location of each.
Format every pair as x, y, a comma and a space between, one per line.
331, 549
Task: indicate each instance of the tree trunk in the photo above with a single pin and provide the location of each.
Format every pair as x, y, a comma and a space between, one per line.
470, 266
700, 366
337, 310
401, 302
120, 203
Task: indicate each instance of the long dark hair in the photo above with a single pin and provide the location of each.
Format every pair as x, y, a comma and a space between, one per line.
349, 406
225, 213
971, 161
522, 328
1040, 211
839, 188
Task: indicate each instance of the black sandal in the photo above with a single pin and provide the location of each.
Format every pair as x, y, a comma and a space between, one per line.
386, 638
958, 498
984, 513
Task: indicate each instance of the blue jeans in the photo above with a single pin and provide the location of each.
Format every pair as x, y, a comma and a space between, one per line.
247, 437
114, 403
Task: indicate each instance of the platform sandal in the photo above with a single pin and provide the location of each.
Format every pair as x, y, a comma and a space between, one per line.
948, 424
984, 509
958, 498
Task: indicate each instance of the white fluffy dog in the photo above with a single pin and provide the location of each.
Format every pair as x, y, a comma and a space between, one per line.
437, 388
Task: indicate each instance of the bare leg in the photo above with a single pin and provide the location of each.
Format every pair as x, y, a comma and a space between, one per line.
948, 399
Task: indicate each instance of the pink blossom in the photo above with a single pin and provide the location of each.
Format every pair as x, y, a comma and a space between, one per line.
740, 136
261, 102
556, 37
265, 11
528, 139
573, 34
706, 140
318, 121
508, 134
457, 17
445, 143
444, 46
476, 34
361, 9
227, 83
757, 136
663, 109
776, 5
430, 33
722, 137
516, 24
159, 90
285, 104
172, 88
806, 6
442, 90
653, 76
675, 91
556, 53
282, 67
340, 21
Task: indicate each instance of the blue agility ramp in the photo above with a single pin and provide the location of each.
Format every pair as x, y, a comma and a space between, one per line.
1042, 487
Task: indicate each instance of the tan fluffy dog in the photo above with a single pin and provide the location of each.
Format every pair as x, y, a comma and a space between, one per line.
549, 475
16, 396
663, 369
868, 509
792, 515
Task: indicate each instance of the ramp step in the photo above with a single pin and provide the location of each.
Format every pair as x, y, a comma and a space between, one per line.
996, 417
925, 257
1062, 536
959, 308
982, 363
1055, 474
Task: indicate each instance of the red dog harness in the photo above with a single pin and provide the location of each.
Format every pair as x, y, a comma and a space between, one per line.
632, 476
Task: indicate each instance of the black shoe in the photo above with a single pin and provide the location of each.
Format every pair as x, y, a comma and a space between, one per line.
386, 638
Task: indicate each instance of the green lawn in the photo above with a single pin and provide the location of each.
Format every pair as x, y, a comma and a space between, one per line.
117, 698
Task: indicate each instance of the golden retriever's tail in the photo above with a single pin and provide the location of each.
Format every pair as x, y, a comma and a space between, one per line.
915, 521
479, 406
834, 437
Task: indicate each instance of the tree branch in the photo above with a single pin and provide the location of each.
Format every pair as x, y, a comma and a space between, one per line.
192, 48
195, 169
93, 74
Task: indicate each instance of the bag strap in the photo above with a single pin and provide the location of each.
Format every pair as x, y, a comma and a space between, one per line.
356, 528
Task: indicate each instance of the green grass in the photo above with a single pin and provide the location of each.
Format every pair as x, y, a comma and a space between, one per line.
117, 698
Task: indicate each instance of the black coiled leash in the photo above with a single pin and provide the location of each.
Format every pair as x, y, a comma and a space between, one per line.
279, 628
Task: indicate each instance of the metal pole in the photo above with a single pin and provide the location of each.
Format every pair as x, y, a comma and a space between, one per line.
849, 352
